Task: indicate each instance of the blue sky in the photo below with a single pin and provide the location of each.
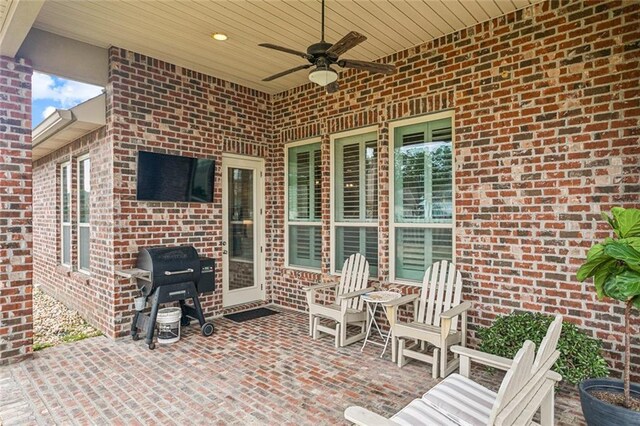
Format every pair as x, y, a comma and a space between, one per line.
51, 92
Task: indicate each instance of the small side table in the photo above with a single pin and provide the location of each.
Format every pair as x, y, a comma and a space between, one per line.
373, 300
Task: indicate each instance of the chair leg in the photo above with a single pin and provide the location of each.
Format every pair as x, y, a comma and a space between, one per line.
434, 367
443, 360
343, 333
310, 324
337, 337
316, 333
394, 350
400, 353
547, 410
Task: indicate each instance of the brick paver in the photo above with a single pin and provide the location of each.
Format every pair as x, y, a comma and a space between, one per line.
264, 371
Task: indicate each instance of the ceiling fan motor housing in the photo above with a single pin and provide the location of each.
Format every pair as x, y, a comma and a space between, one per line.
320, 49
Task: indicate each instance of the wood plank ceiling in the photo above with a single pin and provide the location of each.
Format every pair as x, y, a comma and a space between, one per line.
180, 31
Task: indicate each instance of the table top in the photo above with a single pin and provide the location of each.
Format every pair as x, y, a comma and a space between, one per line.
381, 296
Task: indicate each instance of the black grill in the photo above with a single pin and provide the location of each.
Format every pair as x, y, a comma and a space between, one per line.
176, 274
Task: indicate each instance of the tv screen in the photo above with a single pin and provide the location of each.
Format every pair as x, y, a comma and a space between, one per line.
163, 177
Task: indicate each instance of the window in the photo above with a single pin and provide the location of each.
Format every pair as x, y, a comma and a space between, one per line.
422, 216
355, 216
84, 210
304, 209
65, 214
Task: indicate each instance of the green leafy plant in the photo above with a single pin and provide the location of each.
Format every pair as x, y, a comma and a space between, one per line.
40, 346
614, 265
579, 354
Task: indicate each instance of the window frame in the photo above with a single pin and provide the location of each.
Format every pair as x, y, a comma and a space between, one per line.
332, 202
79, 224
392, 217
63, 224
287, 222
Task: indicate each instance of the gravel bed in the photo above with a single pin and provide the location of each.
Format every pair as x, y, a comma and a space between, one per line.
54, 323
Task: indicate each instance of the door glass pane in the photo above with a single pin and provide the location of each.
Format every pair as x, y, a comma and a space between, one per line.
241, 217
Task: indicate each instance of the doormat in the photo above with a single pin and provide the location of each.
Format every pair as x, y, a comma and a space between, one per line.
249, 315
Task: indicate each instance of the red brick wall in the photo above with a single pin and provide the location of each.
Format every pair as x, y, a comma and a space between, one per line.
16, 319
165, 108
90, 295
547, 117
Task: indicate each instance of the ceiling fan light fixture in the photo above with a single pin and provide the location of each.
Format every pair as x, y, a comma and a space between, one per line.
323, 76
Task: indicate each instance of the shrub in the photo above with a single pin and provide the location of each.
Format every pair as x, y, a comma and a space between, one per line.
579, 354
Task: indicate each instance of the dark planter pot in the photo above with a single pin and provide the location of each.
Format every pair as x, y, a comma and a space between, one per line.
601, 413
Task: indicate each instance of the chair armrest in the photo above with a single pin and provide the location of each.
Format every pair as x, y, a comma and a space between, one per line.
319, 286
484, 358
401, 300
494, 361
356, 293
456, 310
363, 417
554, 376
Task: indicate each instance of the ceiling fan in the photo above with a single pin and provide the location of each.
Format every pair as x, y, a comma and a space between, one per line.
322, 55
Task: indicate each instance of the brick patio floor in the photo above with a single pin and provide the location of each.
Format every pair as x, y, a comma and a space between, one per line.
264, 371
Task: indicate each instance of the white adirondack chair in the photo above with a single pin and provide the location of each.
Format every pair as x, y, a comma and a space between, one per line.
348, 305
435, 319
527, 387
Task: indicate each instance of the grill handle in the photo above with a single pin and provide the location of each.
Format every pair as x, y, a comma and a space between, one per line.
186, 271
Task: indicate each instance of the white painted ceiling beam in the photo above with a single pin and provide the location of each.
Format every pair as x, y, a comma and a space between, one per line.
64, 57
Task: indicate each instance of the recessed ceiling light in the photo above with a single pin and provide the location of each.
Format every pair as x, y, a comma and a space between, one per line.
219, 36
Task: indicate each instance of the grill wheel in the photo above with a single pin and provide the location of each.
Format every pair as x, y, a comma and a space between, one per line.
207, 329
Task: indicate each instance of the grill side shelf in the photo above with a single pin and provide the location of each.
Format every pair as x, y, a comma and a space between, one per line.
134, 273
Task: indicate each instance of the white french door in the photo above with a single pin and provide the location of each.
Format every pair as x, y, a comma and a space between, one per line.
242, 229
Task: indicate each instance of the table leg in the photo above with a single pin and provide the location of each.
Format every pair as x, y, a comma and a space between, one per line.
382, 336
371, 319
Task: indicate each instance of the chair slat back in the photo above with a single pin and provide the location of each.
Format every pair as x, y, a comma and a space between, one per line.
441, 290
516, 378
526, 376
355, 275
550, 342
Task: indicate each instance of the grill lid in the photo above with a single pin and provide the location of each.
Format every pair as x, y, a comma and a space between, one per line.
168, 265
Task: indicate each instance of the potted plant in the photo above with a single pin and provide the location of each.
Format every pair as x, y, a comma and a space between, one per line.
614, 265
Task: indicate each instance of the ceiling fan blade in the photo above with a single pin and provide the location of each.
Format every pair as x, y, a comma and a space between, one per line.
333, 87
287, 50
367, 66
289, 71
347, 42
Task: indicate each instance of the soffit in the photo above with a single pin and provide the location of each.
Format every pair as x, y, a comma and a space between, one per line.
64, 126
179, 31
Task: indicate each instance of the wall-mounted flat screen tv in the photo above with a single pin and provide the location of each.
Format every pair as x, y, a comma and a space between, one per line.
163, 177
